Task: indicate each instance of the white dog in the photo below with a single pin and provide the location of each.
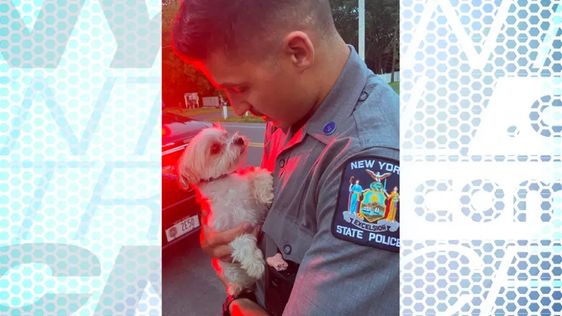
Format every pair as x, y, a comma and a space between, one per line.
210, 164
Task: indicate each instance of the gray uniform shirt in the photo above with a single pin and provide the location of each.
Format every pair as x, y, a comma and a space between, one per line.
359, 118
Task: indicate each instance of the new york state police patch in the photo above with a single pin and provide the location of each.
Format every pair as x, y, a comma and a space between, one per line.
368, 207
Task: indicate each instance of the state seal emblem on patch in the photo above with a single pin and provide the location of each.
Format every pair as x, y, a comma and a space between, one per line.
368, 207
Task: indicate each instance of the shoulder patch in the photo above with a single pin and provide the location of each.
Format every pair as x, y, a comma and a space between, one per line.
368, 206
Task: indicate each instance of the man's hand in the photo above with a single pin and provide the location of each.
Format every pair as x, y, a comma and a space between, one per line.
245, 307
216, 243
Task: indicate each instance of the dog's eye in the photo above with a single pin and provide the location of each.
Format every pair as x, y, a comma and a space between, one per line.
215, 148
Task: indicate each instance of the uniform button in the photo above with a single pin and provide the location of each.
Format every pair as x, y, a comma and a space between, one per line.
287, 249
364, 95
282, 163
330, 128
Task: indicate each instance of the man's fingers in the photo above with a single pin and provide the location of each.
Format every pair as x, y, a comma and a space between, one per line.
227, 258
222, 253
225, 237
216, 244
255, 230
215, 251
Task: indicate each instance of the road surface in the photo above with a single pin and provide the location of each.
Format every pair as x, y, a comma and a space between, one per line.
189, 284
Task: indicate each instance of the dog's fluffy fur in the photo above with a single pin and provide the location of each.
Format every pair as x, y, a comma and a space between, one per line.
210, 164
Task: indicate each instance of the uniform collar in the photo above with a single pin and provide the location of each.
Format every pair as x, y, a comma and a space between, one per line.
338, 105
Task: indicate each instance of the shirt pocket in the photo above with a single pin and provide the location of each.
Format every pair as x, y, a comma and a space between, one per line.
292, 240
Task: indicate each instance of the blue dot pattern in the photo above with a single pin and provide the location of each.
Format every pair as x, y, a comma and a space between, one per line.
481, 145
80, 143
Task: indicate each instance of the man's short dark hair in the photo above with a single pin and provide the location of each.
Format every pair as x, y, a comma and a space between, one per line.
244, 27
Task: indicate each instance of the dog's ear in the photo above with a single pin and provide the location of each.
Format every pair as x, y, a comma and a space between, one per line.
186, 176
184, 181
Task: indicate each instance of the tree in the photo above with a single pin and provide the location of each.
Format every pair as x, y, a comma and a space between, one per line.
178, 77
381, 30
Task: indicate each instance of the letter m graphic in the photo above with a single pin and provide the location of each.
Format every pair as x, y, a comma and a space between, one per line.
43, 46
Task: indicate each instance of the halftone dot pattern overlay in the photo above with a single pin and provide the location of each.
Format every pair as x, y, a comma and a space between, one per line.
481, 144
80, 139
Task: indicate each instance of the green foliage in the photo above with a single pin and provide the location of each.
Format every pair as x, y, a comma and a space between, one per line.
381, 30
242, 119
396, 86
190, 112
178, 77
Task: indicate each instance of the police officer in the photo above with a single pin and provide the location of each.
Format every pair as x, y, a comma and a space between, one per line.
330, 122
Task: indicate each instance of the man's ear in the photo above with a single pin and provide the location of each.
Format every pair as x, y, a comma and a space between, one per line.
298, 46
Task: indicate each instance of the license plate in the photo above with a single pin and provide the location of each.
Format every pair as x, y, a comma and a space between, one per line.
185, 226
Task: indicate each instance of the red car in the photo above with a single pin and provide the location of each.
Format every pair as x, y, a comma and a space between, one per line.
180, 211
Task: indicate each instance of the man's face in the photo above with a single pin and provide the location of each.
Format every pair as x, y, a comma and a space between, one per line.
273, 89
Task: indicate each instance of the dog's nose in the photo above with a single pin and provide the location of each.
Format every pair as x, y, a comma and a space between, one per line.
239, 141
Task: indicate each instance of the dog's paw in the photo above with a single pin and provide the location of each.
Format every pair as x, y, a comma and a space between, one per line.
267, 198
246, 252
255, 266
263, 186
